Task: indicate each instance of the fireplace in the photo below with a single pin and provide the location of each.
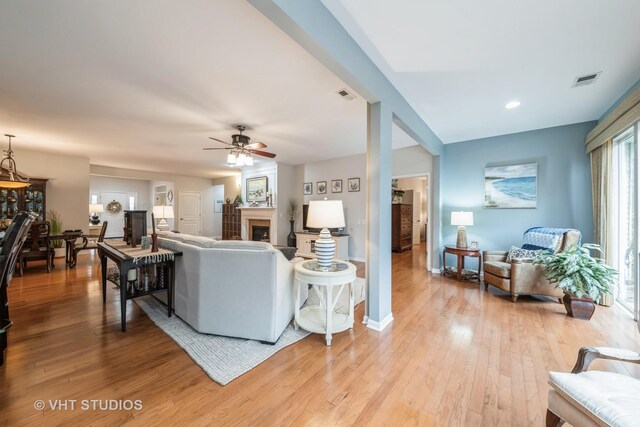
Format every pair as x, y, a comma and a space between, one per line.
265, 217
259, 230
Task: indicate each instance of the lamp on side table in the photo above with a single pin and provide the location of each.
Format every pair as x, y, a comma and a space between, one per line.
325, 214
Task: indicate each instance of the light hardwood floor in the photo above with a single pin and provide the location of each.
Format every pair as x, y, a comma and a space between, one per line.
454, 355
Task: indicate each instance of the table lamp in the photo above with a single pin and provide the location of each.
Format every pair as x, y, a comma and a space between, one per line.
95, 209
462, 219
163, 212
325, 214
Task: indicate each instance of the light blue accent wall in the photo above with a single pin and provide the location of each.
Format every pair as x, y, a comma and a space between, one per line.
564, 185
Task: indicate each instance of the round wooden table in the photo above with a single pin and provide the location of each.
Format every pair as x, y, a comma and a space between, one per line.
461, 253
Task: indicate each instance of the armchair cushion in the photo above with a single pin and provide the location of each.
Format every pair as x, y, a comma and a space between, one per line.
498, 268
608, 398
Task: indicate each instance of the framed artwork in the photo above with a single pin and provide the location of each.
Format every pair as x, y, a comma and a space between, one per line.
511, 187
307, 188
322, 187
353, 184
336, 186
217, 207
473, 245
257, 189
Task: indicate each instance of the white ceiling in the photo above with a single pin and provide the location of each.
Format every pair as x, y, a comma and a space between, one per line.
142, 84
459, 62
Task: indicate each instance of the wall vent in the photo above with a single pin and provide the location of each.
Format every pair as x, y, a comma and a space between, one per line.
586, 80
346, 94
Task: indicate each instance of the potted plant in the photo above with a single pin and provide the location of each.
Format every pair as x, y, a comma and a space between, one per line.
56, 230
582, 277
292, 212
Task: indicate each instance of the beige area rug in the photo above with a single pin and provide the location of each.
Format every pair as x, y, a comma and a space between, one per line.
223, 358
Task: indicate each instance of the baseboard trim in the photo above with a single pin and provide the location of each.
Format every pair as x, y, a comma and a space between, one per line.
358, 259
380, 326
436, 271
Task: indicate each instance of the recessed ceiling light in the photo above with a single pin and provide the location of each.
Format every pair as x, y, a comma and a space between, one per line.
512, 104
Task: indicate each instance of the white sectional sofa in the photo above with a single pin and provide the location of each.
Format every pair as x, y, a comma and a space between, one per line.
234, 288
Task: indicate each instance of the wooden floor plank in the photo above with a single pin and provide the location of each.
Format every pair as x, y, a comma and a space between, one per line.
454, 355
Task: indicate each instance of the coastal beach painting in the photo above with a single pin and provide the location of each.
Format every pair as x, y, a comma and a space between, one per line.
509, 187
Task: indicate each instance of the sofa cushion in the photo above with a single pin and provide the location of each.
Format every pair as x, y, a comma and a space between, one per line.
242, 244
172, 236
516, 252
498, 268
199, 241
609, 397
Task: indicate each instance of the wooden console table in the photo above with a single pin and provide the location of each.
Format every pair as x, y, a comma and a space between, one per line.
460, 275
127, 258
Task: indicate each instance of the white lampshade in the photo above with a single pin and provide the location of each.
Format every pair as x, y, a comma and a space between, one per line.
231, 158
163, 212
248, 160
325, 214
461, 218
95, 208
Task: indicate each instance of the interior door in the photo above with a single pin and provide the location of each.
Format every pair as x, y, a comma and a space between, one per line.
116, 220
190, 213
417, 208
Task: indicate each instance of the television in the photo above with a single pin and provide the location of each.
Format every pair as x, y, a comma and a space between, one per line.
305, 212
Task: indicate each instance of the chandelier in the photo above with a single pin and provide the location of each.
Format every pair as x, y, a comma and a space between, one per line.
239, 157
9, 177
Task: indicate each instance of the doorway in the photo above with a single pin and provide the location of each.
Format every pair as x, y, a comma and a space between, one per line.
415, 189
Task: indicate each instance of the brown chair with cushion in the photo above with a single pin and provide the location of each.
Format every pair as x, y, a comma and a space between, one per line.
517, 274
38, 246
88, 242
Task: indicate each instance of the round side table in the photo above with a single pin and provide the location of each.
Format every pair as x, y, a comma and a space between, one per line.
460, 275
324, 318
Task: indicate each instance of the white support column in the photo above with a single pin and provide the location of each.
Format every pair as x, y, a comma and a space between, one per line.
378, 306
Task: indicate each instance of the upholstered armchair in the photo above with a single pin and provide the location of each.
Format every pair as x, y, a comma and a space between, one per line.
520, 276
595, 398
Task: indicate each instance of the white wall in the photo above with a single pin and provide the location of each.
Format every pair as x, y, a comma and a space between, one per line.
204, 186
142, 189
231, 186
286, 190
68, 185
354, 202
406, 161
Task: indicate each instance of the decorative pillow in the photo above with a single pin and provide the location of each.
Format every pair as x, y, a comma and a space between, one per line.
516, 252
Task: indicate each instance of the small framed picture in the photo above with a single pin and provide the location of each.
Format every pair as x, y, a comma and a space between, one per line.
336, 186
353, 184
307, 188
473, 245
322, 187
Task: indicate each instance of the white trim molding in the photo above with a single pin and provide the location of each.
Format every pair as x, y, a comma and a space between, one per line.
380, 326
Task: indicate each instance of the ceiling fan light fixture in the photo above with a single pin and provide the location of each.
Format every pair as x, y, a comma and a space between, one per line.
248, 160
231, 158
9, 177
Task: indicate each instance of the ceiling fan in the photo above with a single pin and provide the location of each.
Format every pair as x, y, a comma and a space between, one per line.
241, 149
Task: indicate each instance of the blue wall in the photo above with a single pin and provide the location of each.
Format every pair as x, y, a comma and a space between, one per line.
564, 185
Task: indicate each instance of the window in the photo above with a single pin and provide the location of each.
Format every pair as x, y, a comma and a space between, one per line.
132, 203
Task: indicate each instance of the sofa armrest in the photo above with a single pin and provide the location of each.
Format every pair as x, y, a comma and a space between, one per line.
295, 260
586, 355
500, 256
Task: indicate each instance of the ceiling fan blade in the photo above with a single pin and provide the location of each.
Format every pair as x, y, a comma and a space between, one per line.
219, 140
254, 145
221, 148
262, 153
